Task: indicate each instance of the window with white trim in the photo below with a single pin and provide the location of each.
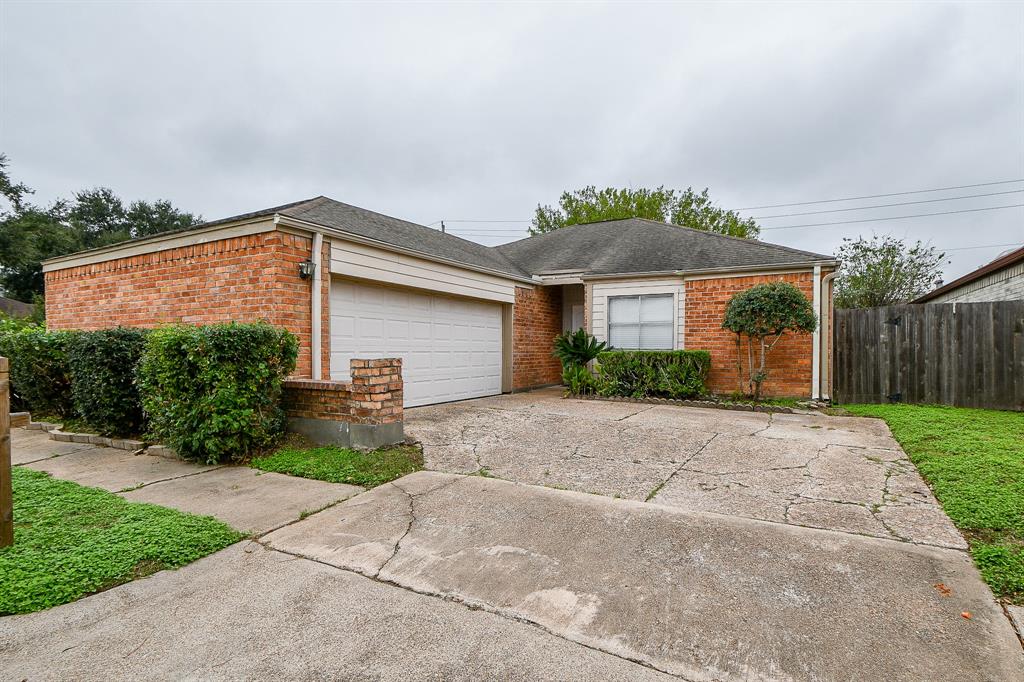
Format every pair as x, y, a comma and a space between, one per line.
641, 322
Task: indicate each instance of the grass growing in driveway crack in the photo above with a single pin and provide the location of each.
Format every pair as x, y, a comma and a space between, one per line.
342, 465
70, 541
974, 461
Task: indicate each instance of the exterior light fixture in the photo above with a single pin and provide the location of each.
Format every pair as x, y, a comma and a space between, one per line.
306, 269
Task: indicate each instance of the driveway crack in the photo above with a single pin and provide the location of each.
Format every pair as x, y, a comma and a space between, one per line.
679, 468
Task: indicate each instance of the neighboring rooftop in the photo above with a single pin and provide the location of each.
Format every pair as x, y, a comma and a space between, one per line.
13, 308
640, 245
1002, 262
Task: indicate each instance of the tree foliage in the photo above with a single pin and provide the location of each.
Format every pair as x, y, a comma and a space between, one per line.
687, 208
762, 315
884, 271
29, 234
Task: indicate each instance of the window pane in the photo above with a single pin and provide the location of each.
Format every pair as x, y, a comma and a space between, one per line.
656, 308
656, 336
624, 310
624, 336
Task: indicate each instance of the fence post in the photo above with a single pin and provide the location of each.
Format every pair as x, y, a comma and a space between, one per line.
6, 494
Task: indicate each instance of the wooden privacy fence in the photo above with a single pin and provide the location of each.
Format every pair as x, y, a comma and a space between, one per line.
964, 354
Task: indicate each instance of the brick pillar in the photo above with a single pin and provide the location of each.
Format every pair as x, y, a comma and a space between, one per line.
377, 397
376, 390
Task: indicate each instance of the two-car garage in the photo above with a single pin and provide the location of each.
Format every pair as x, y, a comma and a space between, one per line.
451, 348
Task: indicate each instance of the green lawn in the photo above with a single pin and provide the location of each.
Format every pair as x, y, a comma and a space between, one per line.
70, 541
974, 461
341, 465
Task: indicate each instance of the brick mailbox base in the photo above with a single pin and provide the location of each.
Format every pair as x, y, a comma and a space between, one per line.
364, 413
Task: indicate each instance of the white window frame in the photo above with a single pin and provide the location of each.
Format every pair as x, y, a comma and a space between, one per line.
640, 297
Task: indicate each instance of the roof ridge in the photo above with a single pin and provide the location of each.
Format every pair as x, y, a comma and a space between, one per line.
746, 240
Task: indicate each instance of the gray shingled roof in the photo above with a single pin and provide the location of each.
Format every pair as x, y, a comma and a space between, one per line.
633, 245
640, 245
359, 221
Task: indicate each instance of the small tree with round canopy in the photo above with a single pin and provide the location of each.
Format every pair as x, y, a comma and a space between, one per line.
762, 315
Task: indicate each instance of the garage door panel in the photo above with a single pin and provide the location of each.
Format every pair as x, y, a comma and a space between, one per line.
450, 347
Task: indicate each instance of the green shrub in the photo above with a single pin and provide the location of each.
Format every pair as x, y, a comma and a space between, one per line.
677, 374
577, 348
103, 388
212, 393
40, 375
578, 380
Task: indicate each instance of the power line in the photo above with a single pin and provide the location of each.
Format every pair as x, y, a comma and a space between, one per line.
879, 196
901, 203
983, 246
895, 217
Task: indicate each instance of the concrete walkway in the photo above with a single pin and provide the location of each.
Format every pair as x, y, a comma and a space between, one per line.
246, 499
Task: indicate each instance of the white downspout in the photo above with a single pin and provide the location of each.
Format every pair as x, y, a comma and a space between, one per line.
816, 336
316, 311
827, 345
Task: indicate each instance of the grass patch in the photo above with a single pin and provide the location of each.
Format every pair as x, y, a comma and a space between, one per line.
70, 541
974, 461
341, 465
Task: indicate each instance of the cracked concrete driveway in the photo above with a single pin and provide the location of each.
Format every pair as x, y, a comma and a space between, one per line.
837, 473
696, 595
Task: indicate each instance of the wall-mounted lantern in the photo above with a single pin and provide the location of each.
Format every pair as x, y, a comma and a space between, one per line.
306, 269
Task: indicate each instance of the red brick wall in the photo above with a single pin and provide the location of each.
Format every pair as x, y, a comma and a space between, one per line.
374, 396
536, 321
377, 390
789, 363
312, 399
243, 279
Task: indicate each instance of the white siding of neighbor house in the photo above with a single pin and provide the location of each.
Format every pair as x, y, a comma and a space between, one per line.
370, 263
1003, 285
602, 291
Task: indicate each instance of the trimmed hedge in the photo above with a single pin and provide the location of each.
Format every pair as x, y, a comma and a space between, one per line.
212, 393
103, 384
677, 374
40, 374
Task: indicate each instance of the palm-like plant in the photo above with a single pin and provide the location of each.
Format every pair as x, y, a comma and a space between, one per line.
576, 349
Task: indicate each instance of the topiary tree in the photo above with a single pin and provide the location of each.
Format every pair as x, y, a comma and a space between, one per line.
762, 314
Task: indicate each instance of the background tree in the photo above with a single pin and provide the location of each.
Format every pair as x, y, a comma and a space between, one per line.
686, 208
884, 271
30, 234
762, 315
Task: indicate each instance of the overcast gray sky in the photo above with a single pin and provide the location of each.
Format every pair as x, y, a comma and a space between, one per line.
482, 111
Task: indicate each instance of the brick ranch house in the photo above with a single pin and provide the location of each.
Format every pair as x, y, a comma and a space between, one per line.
466, 320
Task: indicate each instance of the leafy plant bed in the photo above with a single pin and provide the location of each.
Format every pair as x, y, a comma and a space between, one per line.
974, 461
716, 404
341, 465
71, 541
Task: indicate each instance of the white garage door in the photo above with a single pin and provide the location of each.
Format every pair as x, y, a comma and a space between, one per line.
450, 347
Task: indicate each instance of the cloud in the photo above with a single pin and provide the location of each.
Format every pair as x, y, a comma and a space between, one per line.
484, 111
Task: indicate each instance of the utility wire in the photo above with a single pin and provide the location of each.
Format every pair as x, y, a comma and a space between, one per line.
894, 217
901, 203
878, 196
983, 246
